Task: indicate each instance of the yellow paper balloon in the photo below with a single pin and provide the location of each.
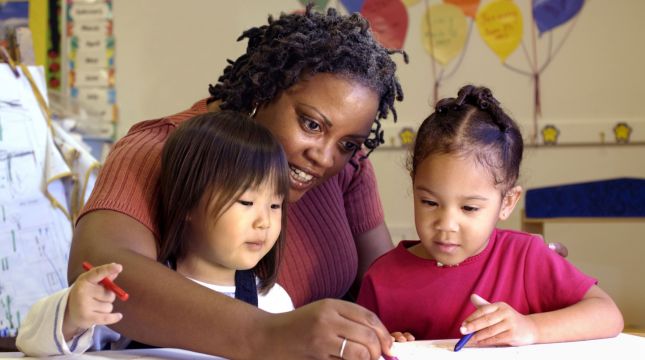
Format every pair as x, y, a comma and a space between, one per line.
445, 35
500, 25
409, 3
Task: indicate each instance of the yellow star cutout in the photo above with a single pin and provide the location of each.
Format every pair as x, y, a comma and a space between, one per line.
622, 132
407, 136
550, 134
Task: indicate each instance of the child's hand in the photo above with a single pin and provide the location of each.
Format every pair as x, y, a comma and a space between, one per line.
402, 337
89, 303
498, 324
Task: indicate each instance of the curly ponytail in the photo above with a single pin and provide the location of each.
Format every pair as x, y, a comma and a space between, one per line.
472, 124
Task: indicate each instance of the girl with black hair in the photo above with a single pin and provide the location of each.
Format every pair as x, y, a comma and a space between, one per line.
222, 215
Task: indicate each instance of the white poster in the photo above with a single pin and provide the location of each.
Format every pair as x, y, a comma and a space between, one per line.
35, 228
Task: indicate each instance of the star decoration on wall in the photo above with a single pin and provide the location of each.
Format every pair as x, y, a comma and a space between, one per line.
407, 136
622, 131
550, 134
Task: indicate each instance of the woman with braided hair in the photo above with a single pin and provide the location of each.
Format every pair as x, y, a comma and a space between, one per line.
464, 168
321, 84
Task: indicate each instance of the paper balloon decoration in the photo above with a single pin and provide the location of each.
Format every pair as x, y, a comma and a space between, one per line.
444, 37
388, 20
409, 3
469, 7
549, 14
318, 4
500, 25
352, 6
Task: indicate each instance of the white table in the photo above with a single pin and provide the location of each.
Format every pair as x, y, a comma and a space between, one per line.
172, 354
624, 346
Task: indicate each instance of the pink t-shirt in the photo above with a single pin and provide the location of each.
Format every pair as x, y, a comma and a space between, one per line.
412, 294
320, 258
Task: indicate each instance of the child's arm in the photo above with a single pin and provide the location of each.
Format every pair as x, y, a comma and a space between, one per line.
53, 322
89, 302
595, 316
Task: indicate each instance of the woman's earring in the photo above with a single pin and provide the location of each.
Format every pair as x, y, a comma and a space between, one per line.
255, 109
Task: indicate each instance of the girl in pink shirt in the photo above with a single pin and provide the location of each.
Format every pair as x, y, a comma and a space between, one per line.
464, 275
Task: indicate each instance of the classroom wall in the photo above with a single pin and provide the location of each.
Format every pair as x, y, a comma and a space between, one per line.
167, 52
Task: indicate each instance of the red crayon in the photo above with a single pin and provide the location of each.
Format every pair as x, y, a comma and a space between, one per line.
108, 284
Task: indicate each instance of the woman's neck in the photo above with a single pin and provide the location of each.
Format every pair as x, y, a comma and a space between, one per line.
213, 106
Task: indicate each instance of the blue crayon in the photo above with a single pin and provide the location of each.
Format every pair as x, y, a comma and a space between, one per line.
462, 342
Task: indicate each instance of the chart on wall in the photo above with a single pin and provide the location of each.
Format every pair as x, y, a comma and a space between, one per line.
35, 227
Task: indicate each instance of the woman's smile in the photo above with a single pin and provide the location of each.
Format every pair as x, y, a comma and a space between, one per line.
300, 179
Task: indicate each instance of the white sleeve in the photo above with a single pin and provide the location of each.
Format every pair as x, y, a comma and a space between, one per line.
41, 333
276, 300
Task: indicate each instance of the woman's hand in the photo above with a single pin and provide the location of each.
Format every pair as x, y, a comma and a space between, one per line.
89, 303
498, 324
318, 331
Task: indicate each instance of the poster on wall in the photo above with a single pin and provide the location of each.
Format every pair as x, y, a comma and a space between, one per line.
35, 223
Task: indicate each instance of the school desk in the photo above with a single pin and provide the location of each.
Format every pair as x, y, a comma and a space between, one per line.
624, 346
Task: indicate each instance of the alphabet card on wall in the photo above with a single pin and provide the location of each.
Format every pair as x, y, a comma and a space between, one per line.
91, 64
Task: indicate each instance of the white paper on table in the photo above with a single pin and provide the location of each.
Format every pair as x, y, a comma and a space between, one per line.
624, 346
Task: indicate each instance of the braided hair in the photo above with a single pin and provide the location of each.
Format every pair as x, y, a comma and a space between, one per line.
280, 53
472, 124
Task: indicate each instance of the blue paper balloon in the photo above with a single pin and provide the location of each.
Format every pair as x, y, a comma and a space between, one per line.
352, 6
549, 14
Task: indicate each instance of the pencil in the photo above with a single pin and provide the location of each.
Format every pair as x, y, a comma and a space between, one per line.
108, 284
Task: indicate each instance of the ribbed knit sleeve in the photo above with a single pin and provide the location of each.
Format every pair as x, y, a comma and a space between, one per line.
128, 181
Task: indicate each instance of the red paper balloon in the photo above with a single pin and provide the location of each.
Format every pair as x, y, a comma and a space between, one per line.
388, 20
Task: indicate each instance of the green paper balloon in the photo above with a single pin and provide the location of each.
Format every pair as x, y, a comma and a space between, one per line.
318, 4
